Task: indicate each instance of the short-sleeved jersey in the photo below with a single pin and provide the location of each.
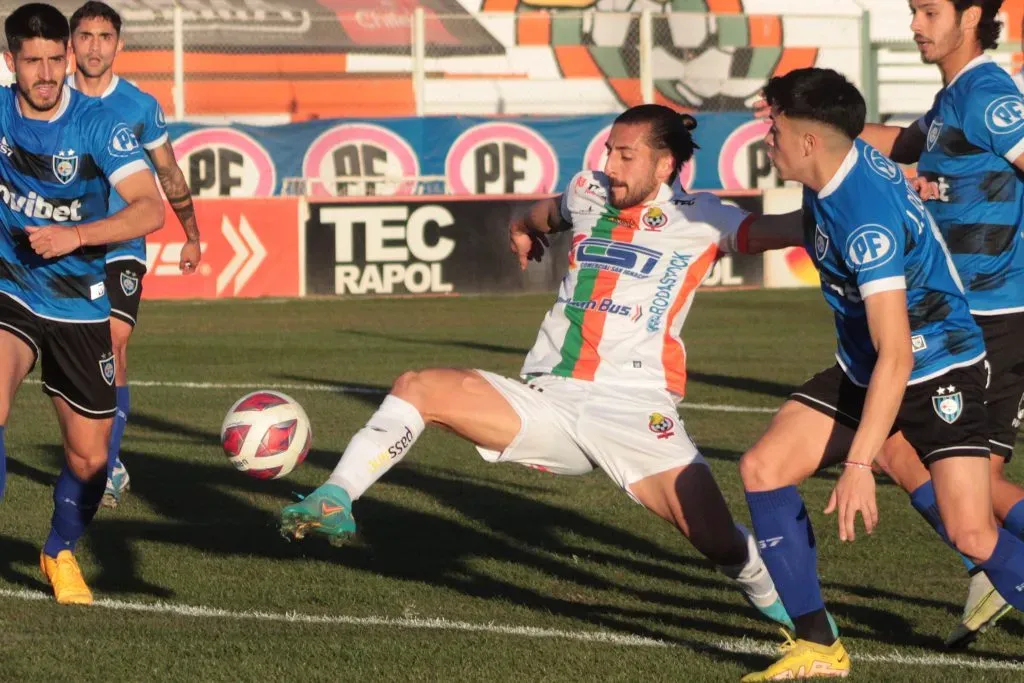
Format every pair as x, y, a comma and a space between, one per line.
974, 132
59, 172
868, 232
143, 114
632, 275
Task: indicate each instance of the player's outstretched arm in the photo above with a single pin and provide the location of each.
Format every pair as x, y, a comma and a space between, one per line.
889, 326
902, 145
180, 198
777, 231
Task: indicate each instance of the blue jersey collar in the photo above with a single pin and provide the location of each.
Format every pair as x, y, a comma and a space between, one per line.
844, 170
977, 61
70, 80
65, 100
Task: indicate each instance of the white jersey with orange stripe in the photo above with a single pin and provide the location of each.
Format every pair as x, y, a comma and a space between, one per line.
631, 280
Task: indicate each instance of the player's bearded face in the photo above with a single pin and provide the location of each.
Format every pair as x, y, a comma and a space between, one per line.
39, 69
631, 166
95, 43
936, 27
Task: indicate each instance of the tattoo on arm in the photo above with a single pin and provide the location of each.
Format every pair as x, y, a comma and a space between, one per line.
180, 199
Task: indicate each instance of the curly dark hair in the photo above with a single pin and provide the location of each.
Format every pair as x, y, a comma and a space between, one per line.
989, 27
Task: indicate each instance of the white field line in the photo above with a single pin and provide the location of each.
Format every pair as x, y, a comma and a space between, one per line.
744, 646
372, 391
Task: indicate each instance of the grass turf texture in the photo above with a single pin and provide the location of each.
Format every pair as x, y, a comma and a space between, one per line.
444, 535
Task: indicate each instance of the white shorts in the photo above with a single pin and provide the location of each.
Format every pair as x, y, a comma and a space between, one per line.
569, 426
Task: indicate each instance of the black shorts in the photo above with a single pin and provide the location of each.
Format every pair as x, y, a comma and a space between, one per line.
124, 288
1004, 396
942, 417
77, 358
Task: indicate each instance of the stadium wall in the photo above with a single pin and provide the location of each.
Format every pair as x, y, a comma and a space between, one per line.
439, 246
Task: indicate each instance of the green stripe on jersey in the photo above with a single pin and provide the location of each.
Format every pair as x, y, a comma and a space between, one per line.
584, 291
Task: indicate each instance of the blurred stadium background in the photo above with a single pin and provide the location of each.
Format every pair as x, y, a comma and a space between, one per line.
300, 109
301, 112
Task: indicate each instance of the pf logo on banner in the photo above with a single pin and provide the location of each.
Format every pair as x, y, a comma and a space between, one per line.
223, 162
597, 154
501, 158
359, 159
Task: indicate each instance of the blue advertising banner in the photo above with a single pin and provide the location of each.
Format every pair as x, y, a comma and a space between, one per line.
460, 155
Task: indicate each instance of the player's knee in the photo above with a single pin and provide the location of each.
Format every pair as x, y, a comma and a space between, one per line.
85, 464
975, 540
416, 387
760, 471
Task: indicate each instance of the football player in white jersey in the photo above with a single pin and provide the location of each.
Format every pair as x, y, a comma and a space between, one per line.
601, 384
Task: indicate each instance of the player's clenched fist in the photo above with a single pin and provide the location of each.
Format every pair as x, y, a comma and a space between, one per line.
53, 241
526, 244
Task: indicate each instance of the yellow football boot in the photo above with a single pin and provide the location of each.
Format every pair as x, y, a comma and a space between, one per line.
804, 659
66, 578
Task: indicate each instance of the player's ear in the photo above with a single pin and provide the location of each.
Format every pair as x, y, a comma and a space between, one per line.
9, 60
663, 168
120, 45
971, 17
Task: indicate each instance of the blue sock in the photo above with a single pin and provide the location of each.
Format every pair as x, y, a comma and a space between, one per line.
3, 463
1005, 569
1014, 522
923, 500
117, 431
787, 546
74, 504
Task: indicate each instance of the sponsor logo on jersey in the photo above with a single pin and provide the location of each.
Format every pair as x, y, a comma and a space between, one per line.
5, 147
661, 425
591, 187
34, 206
654, 219
870, 246
883, 165
628, 259
65, 165
1005, 115
605, 305
948, 404
663, 297
122, 141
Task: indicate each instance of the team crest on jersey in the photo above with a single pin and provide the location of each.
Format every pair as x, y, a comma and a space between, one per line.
661, 425
107, 368
65, 165
129, 282
820, 243
948, 404
933, 133
654, 219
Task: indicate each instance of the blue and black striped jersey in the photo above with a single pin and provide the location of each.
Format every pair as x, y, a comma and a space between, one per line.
975, 131
59, 172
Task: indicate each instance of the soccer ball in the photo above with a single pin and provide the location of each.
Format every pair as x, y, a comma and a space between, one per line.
266, 434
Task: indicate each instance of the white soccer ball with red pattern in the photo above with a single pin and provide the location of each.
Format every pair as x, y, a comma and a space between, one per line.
266, 434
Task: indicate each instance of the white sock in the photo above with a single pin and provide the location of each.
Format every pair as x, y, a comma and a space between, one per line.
752, 574
377, 447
